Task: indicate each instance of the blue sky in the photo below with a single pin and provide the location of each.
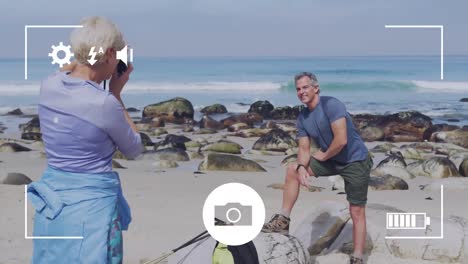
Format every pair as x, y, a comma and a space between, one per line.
248, 27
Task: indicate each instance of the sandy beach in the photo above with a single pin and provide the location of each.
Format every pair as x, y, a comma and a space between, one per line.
167, 203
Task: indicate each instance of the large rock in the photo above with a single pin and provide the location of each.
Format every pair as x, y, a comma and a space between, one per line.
13, 147
214, 109
275, 140
31, 130
284, 113
171, 154
322, 226
224, 146
176, 110
387, 182
400, 127
250, 119
15, 178
464, 168
252, 132
437, 128
224, 162
237, 127
385, 147
146, 140
372, 133
208, 122
458, 137
172, 141
16, 112
435, 167
262, 108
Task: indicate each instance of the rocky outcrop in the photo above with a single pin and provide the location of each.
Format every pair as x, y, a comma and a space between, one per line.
224, 162
275, 140
177, 110
214, 109
250, 119
262, 108
435, 167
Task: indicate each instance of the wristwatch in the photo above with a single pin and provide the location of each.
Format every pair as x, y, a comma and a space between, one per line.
300, 165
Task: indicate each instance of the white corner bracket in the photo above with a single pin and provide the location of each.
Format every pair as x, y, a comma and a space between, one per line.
26, 223
426, 237
26, 27
441, 27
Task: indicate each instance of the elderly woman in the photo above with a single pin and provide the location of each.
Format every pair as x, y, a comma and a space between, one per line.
78, 199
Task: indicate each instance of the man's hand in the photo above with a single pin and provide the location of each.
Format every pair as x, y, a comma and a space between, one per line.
320, 155
303, 176
117, 83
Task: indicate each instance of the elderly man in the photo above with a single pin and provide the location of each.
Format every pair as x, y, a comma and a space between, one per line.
342, 151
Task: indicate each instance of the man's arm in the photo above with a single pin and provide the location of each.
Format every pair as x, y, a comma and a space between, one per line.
303, 153
340, 139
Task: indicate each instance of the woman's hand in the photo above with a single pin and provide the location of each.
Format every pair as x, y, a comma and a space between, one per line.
117, 82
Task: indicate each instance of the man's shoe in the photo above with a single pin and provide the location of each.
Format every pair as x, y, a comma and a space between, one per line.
354, 260
278, 224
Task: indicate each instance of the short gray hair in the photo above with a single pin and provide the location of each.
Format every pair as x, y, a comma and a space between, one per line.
96, 32
311, 76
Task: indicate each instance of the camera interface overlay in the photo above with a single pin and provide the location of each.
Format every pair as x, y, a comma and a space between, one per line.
233, 214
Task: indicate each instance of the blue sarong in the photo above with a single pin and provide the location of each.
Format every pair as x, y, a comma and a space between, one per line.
77, 204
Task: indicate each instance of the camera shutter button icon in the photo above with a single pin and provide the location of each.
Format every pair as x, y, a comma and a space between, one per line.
233, 214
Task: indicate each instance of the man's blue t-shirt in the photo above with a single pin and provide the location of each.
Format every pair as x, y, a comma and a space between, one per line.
316, 125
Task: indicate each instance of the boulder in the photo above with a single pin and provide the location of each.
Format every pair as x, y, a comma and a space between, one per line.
237, 127
458, 137
208, 122
224, 146
275, 140
171, 154
132, 110
372, 133
250, 119
172, 141
252, 132
435, 167
214, 109
146, 140
437, 128
262, 108
176, 110
395, 159
15, 178
464, 168
224, 162
385, 147
31, 136
13, 147
31, 130
16, 112
387, 182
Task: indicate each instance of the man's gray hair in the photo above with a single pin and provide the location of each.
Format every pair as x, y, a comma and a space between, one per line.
96, 32
306, 74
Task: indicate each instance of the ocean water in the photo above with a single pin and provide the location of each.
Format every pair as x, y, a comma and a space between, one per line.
374, 85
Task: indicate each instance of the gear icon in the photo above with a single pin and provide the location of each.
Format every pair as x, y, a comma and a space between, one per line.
66, 58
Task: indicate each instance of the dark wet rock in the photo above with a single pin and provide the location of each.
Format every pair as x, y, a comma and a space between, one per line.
385, 147
464, 100
283, 113
237, 127
146, 140
250, 119
399, 127
204, 131
208, 122
31, 136
172, 141
13, 147
395, 158
174, 154
251, 132
117, 165
275, 140
15, 178
17, 111
458, 137
464, 168
371, 133
133, 110
435, 167
224, 146
262, 108
453, 120
225, 162
387, 182
176, 110
214, 109
438, 128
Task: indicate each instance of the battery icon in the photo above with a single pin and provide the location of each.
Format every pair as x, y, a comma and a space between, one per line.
407, 221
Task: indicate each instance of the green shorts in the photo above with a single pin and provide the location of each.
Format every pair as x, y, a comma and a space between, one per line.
355, 175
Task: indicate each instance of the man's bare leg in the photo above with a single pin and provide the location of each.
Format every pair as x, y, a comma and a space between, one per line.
358, 215
291, 188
